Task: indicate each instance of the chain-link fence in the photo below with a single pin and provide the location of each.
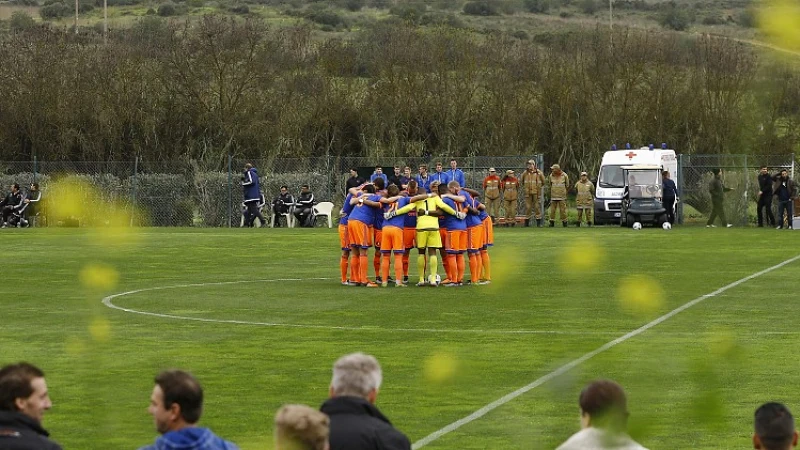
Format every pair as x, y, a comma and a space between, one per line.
187, 193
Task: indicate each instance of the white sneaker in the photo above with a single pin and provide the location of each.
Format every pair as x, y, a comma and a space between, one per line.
778, 228
711, 226
730, 225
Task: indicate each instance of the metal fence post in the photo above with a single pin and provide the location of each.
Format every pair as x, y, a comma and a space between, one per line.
133, 189
230, 190
35, 168
681, 188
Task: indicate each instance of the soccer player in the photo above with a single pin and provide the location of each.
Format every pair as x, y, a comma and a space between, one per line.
428, 239
455, 243
488, 240
360, 235
347, 207
392, 239
409, 229
377, 227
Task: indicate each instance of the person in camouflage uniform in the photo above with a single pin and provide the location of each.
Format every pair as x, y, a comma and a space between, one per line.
491, 192
533, 184
510, 185
559, 182
585, 198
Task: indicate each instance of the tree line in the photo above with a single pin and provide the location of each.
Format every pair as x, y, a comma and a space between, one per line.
201, 90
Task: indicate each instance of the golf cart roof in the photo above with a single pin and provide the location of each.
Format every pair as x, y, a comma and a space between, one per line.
642, 167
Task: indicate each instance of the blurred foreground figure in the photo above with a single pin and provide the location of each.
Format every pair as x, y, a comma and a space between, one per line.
23, 401
299, 427
774, 428
604, 419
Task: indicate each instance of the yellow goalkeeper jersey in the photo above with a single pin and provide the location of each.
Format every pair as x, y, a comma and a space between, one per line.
426, 222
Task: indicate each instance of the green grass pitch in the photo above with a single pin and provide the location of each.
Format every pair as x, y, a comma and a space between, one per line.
693, 381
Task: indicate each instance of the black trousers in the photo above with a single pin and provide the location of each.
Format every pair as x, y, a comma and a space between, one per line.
718, 209
302, 216
669, 205
251, 214
7, 210
765, 202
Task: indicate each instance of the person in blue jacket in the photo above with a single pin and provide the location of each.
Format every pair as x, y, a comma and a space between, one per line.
252, 195
455, 174
176, 405
379, 174
669, 196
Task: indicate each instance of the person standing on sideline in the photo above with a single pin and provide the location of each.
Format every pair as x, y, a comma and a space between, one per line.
354, 180
456, 174
491, 192
765, 197
439, 175
717, 190
23, 402
786, 191
355, 422
510, 187
669, 196
379, 174
585, 199
604, 419
405, 178
423, 179
176, 405
559, 183
533, 184
252, 195
774, 428
395, 177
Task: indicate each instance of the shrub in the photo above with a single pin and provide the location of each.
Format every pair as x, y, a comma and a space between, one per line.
411, 13
589, 7
240, 9
167, 9
21, 21
537, 6
521, 35
150, 12
713, 20
747, 18
325, 17
481, 8
55, 11
352, 5
164, 198
676, 19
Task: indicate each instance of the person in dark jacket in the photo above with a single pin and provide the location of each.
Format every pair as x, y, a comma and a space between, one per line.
356, 423
670, 196
304, 207
282, 204
11, 201
765, 197
354, 180
717, 190
252, 195
786, 191
26, 209
23, 401
395, 177
176, 405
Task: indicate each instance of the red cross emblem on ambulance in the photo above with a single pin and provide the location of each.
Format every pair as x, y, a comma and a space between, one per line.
630, 155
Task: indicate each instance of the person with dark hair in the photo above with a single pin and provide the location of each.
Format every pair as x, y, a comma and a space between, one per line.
604, 419
786, 191
774, 428
252, 195
765, 197
717, 189
394, 179
379, 174
405, 178
11, 201
176, 405
669, 196
354, 181
26, 209
23, 401
304, 207
456, 174
440, 175
282, 204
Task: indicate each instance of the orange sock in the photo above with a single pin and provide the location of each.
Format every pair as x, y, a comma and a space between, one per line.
473, 267
363, 264
487, 266
398, 267
405, 264
450, 267
355, 269
460, 266
385, 267
376, 263
479, 258
343, 265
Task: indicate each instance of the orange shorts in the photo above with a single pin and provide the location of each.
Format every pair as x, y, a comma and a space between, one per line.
409, 238
392, 240
378, 237
475, 238
443, 234
489, 231
359, 234
456, 241
344, 240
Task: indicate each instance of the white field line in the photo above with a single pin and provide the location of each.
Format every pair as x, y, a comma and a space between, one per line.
574, 363
108, 301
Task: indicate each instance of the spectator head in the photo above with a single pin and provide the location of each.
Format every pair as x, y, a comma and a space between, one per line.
442, 189
353, 172
35, 186
665, 174
584, 175
434, 186
531, 164
298, 427
176, 401
453, 164
509, 173
717, 172
397, 171
774, 428
407, 171
438, 166
453, 186
784, 174
555, 168
284, 189
15, 188
23, 390
356, 375
248, 166
764, 170
393, 190
379, 184
492, 171
369, 188
412, 187
304, 188
378, 170
604, 405
423, 169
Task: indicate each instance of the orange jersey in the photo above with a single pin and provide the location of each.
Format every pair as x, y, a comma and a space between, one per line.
392, 240
456, 241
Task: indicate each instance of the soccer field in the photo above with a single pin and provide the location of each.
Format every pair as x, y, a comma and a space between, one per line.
259, 316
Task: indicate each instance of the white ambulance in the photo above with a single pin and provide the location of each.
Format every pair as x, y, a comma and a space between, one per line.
608, 194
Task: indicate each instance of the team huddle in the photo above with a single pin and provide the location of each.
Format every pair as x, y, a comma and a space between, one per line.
448, 221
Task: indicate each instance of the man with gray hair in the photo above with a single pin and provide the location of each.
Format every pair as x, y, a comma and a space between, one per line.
356, 423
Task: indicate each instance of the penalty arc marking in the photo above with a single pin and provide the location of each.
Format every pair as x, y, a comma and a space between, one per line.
109, 302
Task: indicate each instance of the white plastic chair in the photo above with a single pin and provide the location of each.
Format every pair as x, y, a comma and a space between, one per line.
324, 209
289, 218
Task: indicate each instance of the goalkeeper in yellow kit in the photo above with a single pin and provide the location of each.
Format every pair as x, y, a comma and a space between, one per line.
429, 208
